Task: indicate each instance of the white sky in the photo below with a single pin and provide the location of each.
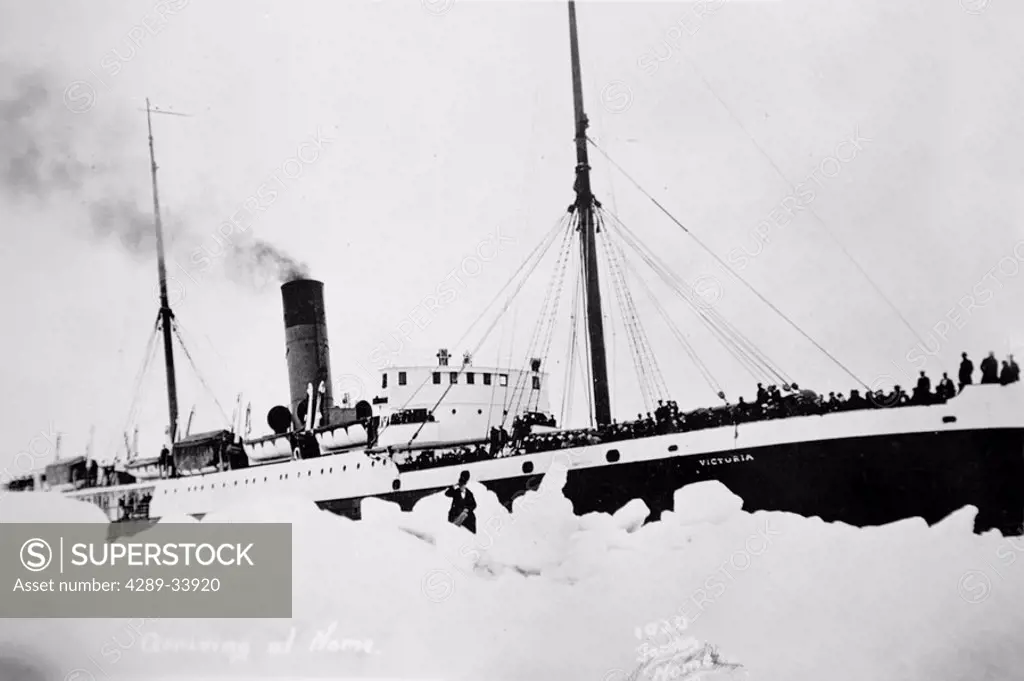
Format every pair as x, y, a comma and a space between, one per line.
450, 119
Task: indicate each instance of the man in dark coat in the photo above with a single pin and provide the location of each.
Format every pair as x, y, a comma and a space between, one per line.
1006, 374
990, 369
923, 392
463, 504
966, 371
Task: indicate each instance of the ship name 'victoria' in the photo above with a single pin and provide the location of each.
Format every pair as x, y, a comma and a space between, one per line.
726, 459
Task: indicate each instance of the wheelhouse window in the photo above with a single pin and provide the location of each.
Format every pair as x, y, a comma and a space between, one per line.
487, 379
437, 378
503, 380
453, 377
384, 380
401, 378
470, 377
536, 382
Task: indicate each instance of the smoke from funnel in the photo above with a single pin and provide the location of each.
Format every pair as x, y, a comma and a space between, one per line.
44, 157
35, 157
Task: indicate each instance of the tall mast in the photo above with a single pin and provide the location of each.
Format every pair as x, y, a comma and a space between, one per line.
165, 307
588, 234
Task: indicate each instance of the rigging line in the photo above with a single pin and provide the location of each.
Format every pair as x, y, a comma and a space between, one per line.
183, 333
721, 327
792, 186
701, 366
494, 386
135, 405
658, 387
603, 252
712, 320
547, 238
508, 365
569, 382
490, 328
733, 273
563, 267
568, 386
629, 323
188, 355
587, 376
636, 335
518, 391
709, 320
549, 235
612, 379
730, 334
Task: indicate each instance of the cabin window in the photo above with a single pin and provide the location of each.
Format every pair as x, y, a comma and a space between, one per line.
536, 382
437, 378
487, 379
401, 378
470, 378
503, 380
453, 377
384, 380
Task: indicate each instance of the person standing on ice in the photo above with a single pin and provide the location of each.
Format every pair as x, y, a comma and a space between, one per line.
463, 504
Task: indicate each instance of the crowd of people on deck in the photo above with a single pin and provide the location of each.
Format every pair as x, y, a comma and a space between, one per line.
771, 402
410, 416
432, 458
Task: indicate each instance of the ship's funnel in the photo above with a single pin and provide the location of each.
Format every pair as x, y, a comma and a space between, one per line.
306, 347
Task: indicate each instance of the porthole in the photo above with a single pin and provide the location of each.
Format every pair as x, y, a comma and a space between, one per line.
395, 484
528, 467
612, 456
673, 448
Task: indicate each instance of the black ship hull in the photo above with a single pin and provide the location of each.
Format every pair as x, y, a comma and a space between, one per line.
860, 481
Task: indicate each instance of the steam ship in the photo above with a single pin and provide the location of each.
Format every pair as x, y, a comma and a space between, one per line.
865, 466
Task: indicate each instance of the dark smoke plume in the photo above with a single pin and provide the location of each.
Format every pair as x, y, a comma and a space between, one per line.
35, 156
256, 263
268, 258
43, 158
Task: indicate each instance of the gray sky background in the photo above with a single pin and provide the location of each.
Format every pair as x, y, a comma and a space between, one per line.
448, 120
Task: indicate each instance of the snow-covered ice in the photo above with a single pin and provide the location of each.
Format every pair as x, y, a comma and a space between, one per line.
544, 594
